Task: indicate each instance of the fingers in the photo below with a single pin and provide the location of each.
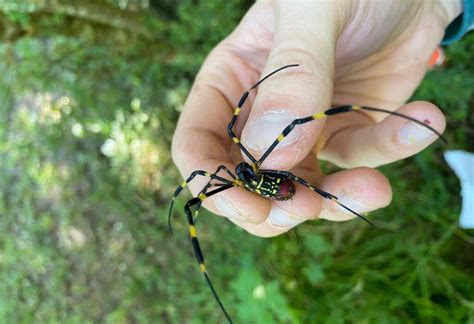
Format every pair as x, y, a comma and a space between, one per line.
392, 139
361, 189
284, 215
306, 35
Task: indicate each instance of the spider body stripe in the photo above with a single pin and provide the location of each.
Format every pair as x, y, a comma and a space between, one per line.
260, 182
269, 185
272, 184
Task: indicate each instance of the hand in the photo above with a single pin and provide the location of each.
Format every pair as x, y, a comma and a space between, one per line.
350, 52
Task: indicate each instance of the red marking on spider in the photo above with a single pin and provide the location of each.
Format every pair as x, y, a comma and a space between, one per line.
287, 188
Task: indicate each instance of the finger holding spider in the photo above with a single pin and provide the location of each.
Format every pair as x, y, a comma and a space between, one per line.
208, 145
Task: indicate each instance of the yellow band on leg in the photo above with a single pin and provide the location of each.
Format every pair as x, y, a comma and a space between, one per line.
319, 115
192, 231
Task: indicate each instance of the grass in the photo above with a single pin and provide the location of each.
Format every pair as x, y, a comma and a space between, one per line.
86, 178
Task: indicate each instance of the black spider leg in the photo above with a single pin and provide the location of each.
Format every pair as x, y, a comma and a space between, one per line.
321, 192
188, 180
406, 117
210, 184
335, 111
216, 185
242, 100
197, 249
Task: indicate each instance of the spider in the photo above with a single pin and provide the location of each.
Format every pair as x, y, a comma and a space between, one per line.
272, 184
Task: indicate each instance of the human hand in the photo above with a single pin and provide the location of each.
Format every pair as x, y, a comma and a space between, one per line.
349, 52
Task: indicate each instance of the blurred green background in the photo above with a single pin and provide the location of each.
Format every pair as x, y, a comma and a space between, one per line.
90, 93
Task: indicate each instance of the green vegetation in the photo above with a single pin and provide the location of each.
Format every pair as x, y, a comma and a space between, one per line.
90, 94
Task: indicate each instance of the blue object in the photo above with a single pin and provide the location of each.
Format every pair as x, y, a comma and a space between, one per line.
461, 25
462, 164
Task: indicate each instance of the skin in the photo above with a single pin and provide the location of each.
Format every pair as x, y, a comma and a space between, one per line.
350, 52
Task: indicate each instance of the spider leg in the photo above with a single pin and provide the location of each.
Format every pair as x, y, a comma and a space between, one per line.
219, 168
195, 243
210, 184
242, 100
191, 177
335, 111
354, 107
320, 192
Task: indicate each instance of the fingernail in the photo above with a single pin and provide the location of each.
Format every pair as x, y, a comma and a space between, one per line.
412, 133
265, 130
226, 207
353, 204
281, 218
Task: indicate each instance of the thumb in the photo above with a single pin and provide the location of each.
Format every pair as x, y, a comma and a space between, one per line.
305, 33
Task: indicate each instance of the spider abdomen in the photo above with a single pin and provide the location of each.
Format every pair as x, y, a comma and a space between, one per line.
273, 186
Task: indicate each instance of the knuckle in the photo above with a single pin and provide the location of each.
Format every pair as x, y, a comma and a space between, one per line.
388, 151
306, 86
312, 67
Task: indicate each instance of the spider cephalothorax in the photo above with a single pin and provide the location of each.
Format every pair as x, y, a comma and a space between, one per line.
273, 184
247, 175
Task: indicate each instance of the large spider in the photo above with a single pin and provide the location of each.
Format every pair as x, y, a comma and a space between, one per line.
273, 184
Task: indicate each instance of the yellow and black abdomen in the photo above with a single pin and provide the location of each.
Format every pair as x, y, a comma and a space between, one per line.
273, 186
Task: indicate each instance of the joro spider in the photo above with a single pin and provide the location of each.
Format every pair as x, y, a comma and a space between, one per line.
273, 184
